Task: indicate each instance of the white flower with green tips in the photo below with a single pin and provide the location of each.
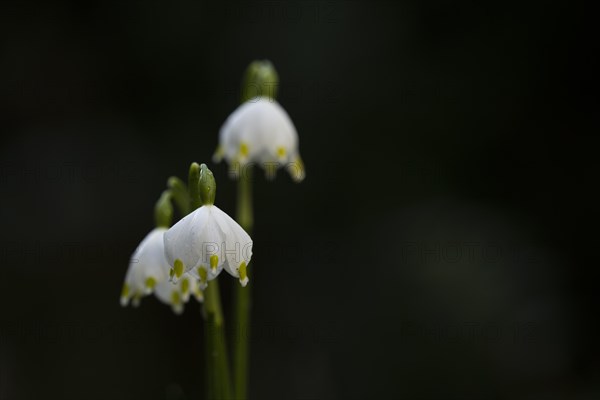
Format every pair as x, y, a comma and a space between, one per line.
261, 132
148, 273
207, 241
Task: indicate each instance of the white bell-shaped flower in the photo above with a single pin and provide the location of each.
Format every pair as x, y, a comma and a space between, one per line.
260, 131
148, 272
204, 243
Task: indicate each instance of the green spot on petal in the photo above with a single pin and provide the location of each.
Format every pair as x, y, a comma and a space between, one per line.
203, 274
214, 261
175, 298
296, 169
244, 149
243, 272
178, 268
185, 286
125, 290
150, 283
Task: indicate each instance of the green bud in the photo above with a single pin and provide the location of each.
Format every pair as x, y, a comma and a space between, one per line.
163, 210
180, 194
260, 80
208, 186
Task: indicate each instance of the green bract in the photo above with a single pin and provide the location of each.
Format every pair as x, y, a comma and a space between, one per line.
207, 186
260, 80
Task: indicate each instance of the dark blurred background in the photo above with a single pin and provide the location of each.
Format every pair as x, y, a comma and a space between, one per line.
441, 246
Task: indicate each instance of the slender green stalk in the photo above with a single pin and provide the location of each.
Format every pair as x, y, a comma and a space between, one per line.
242, 295
261, 76
244, 202
218, 365
211, 371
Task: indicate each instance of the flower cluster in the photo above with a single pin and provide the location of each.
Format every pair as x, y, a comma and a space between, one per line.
176, 263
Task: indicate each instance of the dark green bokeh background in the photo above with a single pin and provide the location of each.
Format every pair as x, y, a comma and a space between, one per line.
441, 247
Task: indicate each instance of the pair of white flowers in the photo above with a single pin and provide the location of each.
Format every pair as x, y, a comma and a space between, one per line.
175, 264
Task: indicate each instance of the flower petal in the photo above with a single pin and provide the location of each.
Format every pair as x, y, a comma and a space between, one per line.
179, 240
146, 267
237, 248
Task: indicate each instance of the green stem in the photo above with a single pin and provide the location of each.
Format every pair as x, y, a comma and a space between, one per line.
242, 297
241, 341
218, 375
210, 368
244, 203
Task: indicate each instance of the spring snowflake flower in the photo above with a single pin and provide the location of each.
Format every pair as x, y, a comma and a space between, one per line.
260, 131
148, 273
207, 241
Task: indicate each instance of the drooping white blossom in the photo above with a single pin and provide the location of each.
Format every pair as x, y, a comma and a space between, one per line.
261, 132
148, 273
204, 243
